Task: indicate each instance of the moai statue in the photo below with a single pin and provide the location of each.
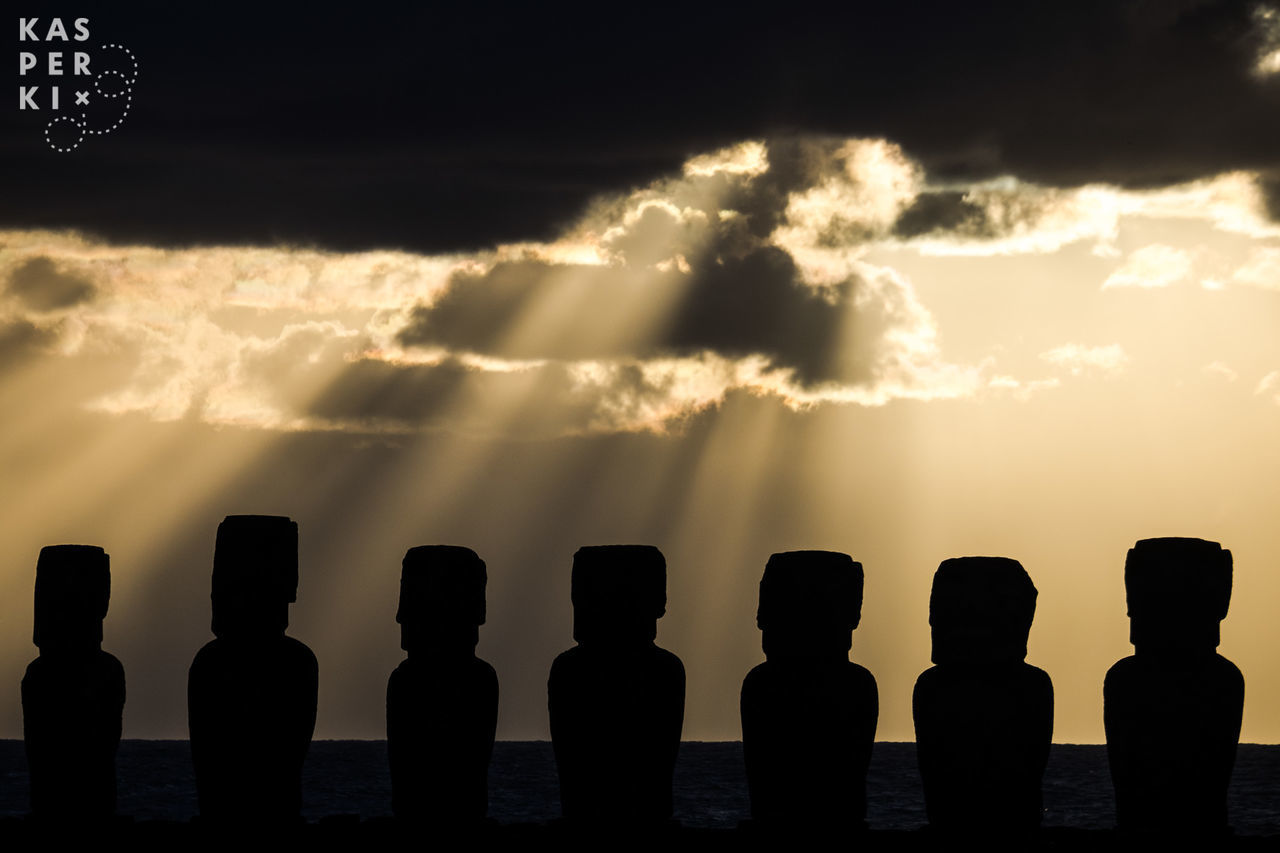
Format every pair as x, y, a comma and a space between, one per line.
442, 701
73, 693
983, 717
809, 713
1172, 710
251, 692
616, 699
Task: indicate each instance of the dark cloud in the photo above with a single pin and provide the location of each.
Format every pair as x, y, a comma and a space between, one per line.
940, 211
1271, 188
734, 293
755, 304
963, 215
479, 312
40, 286
21, 340
539, 402
459, 126
377, 390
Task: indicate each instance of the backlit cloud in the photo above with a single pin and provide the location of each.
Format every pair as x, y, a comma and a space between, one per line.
1022, 390
756, 268
1079, 359
1151, 266
1008, 216
1222, 371
1269, 385
1267, 22
1261, 269
40, 286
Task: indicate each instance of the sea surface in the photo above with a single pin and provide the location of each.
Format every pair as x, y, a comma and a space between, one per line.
349, 777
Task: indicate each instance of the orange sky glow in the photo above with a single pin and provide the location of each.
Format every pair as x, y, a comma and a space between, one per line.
899, 367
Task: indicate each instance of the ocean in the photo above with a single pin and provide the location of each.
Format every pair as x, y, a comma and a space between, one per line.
350, 778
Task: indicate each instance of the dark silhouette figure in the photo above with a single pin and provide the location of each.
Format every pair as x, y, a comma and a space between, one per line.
809, 713
442, 701
1172, 710
983, 717
616, 699
251, 692
73, 693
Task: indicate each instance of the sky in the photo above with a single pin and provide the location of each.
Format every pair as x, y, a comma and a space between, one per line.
908, 281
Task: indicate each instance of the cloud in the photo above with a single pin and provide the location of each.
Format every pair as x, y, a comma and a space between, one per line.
651, 308
509, 137
764, 268
865, 186
1151, 266
791, 296
20, 340
1079, 359
1022, 390
745, 158
1222, 371
478, 310
1235, 202
1010, 216
376, 396
1261, 269
736, 307
648, 311
1267, 20
533, 401
1006, 217
40, 286
1269, 384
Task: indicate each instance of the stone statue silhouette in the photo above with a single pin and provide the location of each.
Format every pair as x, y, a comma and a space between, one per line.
983, 717
808, 713
442, 701
616, 700
251, 692
73, 693
1172, 709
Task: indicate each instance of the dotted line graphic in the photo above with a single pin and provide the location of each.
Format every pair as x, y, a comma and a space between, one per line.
126, 92
97, 84
132, 59
73, 145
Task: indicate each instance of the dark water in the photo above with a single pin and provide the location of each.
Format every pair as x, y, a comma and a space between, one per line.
350, 777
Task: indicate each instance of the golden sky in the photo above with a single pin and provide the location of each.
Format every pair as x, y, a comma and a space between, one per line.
799, 343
